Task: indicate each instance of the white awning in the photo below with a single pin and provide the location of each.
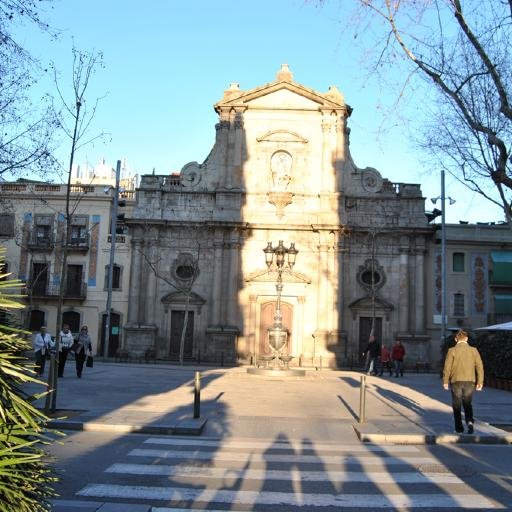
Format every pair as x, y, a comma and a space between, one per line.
507, 326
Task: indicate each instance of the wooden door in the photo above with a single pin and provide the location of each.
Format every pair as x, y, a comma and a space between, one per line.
177, 322
267, 312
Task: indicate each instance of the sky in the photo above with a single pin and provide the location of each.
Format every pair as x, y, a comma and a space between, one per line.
167, 62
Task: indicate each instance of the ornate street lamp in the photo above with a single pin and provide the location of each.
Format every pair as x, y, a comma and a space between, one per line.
284, 259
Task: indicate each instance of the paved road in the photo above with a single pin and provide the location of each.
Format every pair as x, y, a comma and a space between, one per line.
170, 474
276, 444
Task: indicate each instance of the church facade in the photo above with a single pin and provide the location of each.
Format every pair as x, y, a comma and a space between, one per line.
280, 170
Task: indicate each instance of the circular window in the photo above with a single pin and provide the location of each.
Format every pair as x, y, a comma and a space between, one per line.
366, 277
185, 271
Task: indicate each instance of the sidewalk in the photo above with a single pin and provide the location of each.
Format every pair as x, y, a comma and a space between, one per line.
322, 406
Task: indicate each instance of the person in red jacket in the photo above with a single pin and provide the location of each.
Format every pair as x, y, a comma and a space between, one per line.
385, 360
397, 355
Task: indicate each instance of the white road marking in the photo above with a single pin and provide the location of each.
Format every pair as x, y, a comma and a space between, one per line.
292, 445
271, 457
253, 498
378, 477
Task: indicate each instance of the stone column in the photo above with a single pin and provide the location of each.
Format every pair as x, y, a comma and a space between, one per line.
234, 272
341, 126
223, 127
238, 125
251, 328
323, 284
135, 273
230, 151
332, 282
215, 294
151, 295
404, 285
420, 323
326, 153
299, 339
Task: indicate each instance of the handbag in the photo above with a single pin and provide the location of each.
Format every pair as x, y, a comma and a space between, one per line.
89, 362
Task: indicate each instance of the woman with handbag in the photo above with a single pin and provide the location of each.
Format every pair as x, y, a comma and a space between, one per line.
81, 345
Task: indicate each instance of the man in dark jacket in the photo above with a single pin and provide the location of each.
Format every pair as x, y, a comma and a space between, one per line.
372, 356
463, 369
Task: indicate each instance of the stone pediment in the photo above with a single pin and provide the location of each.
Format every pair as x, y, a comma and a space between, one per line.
282, 136
367, 303
364, 306
283, 93
181, 298
266, 275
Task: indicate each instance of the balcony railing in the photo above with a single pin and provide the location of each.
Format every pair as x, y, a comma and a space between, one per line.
52, 291
39, 243
80, 243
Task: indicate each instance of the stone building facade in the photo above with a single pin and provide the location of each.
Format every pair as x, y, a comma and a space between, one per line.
32, 226
280, 169
478, 278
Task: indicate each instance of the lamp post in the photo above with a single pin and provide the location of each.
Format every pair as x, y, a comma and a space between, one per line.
284, 259
113, 224
443, 255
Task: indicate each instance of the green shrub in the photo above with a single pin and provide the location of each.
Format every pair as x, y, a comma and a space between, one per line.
496, 352
26, 479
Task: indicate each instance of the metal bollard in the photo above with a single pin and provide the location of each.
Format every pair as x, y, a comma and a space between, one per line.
197, 395
362, 399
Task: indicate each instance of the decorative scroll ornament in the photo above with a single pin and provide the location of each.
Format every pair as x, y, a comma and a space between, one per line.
371, 179
191, 174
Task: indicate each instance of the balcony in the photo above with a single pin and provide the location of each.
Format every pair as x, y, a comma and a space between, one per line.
79, 244
76, 291
37, 242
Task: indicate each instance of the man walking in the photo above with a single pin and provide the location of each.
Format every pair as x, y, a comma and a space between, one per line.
462, 369
372, 356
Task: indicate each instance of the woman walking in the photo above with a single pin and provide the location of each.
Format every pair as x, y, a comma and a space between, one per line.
83, 344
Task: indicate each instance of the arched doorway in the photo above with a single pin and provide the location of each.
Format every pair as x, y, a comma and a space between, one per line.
267, 313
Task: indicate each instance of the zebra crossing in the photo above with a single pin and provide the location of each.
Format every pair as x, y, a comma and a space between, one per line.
174, 474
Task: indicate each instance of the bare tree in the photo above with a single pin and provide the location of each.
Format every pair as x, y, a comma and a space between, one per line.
76, 118
461, 51
183, 284
26, 129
